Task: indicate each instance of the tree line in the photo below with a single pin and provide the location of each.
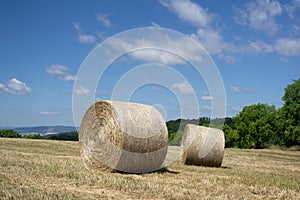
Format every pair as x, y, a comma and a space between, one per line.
262, 125
256, 126
68, 136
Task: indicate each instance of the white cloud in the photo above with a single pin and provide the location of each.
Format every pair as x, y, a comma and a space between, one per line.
150, 55
159, 89
152, 49
211, 38
184, 88
189, 11
282, 46
61, 72
235, 108
288, 46
292, 7
48, 113
76, 26
214, 43
68, 78
259, 47
241, 16
2, 88
207, 107
57, 69
207, 98
82, 37
284, 60
236, 89
85, 38
14, 86
103, 19
154, 24
260, 15
81, 91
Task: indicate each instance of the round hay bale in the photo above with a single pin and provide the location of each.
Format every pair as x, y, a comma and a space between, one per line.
123, 136
202, 146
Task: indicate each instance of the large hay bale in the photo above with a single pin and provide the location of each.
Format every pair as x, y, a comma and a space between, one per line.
123, 136
202, 146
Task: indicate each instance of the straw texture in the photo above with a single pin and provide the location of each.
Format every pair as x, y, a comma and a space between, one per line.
202, 146
123, 136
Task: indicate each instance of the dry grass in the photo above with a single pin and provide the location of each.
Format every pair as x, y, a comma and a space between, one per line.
39, 169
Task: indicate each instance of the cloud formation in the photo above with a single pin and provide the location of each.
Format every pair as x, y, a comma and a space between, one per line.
103, 19
189, 11
292, 7
288, 46
14, 86
81, 91
61, 72
236, 89
207, 98
235, 108
83, 37
47, 113
152, 50
184, 88
260, 15
208, 36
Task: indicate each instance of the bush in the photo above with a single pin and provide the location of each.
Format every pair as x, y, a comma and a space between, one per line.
68, 136
175, 138
33, 136
8, 133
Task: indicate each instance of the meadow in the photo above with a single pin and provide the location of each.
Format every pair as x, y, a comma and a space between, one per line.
47, 169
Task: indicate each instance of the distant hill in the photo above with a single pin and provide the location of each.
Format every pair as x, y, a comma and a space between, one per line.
43, 130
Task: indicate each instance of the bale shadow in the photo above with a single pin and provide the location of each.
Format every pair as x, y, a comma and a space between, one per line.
160, 171
166, 170
225, 167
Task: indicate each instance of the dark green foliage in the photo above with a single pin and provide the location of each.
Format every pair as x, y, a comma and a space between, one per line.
176, 128
69, 136
255, 126
175, 138
231, 136
8, 133
291, 112
261, 125
33, 136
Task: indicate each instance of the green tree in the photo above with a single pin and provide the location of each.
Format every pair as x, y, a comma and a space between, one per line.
68, 136
8, 133
231, 136
33, 136
175, 138
291, 113
255, 125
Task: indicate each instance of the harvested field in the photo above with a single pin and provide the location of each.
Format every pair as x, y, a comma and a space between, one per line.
42, 169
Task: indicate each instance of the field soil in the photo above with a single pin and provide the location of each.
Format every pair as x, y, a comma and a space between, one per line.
45, 169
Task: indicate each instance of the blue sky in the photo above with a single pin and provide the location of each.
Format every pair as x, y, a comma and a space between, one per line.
254, 44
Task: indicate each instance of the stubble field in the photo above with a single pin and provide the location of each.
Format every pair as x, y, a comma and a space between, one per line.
44, 169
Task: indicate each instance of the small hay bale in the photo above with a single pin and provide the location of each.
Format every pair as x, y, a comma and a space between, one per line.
123, 136
202, 146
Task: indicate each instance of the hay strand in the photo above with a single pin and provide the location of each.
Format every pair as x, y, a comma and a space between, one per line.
202, 146
123, 136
